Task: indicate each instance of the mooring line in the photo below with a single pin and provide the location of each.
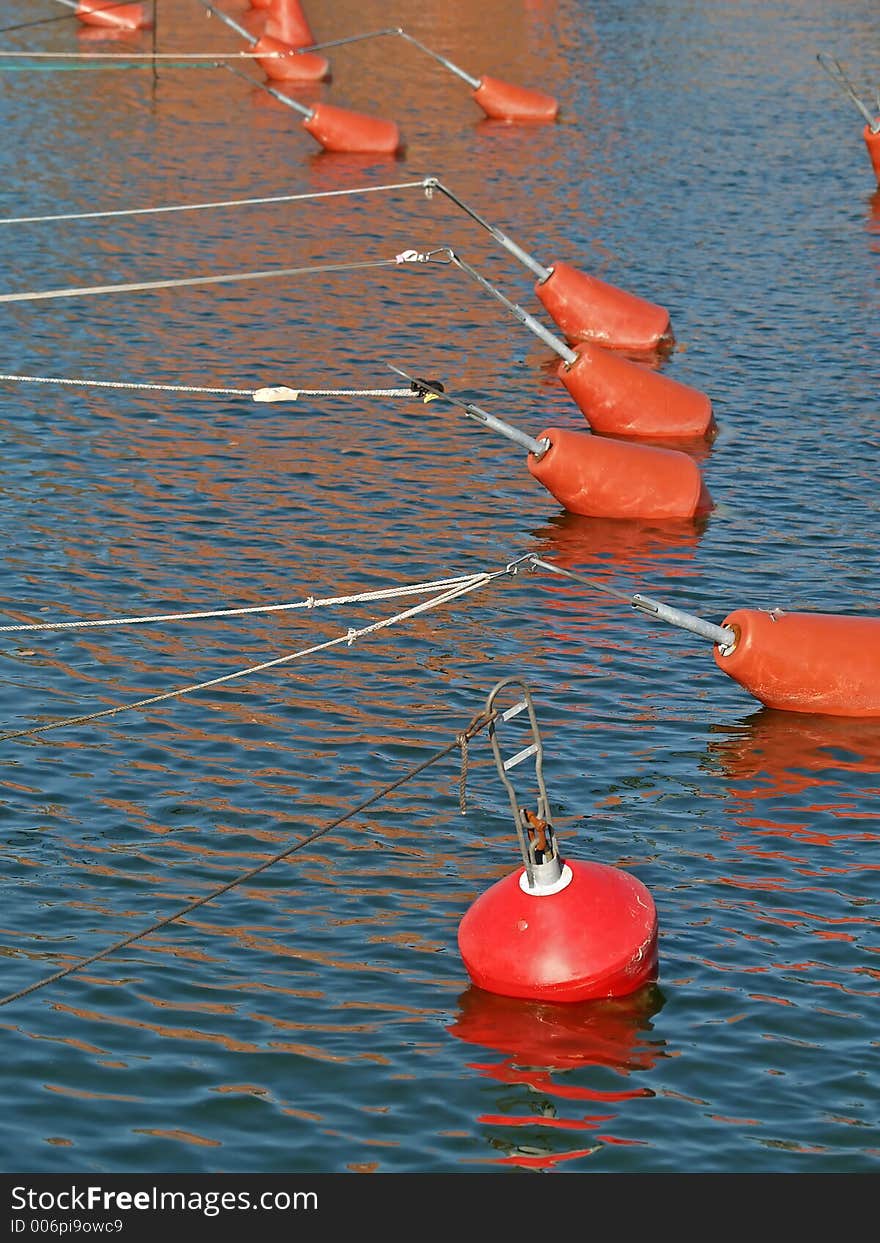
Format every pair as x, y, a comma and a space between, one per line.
477, 723
227, 277
311, 602
247, 202
148, 56
271, 393
445, 597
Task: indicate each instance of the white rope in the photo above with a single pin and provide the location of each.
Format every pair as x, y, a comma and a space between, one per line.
275, 393
445, 597
251, 202
363, 597
148, 56
85, 291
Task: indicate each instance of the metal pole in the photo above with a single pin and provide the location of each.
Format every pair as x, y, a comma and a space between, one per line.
466, 77
542, 273
567, 355
233, 25
291, 103
536, 447
371, 34
723, 636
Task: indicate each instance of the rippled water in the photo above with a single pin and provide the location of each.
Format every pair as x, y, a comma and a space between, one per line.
319, 1018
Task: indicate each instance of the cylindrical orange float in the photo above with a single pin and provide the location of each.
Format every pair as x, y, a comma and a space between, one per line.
806, 662
337, 129
295, 67
616, 479
595, 936
504, 102
285, 20
623, 398
872, 142
120, 17
588, 309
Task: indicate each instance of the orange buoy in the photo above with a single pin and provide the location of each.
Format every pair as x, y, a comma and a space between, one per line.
617, 479
286, 21
872, 142
592, 935
805, 662
338, 129
293, 66
503, 102
594, 476
120, 16
278, 58
499, 100
624, 398
589, 309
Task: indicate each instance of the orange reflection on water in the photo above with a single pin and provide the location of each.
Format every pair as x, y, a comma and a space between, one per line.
540, 1042
779, 754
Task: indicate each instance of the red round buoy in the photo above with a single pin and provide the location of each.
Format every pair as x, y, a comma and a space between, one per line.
592, 934
623, 398
337, 129
872, 142
503, 102
805, 662
616, 479
588, 309
286, 21
120, 17
295, 67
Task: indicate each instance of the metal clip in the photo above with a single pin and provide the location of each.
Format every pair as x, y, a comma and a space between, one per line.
537, 840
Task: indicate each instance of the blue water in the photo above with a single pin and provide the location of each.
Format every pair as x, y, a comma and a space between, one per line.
319, 1018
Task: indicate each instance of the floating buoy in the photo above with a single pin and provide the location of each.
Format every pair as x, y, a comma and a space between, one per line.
596, 477
589, 309
614, 479
555, 930
119, 17
805, 662
616, 396
821, 663
596, 937
871, 135
339, 129
499, 100
585, 308
286, 21
620, 397
279, 59
281, 63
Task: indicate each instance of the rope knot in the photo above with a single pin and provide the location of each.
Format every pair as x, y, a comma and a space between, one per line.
351, 635
411, 256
